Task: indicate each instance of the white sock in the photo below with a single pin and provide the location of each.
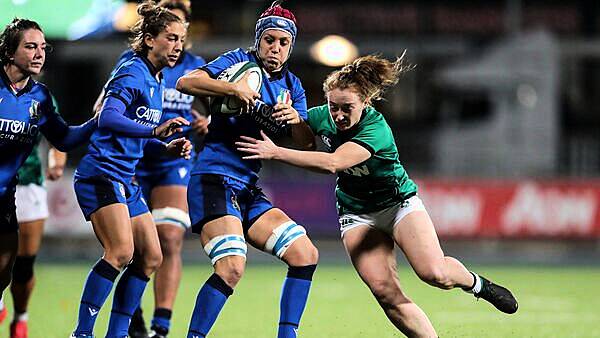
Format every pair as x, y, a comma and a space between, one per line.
477, 286
21, 317
1, 304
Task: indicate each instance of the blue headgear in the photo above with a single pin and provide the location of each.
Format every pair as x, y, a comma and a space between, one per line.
279, 18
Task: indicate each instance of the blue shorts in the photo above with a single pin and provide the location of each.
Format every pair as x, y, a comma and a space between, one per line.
213, 196
179, 175
8, 212
96, 192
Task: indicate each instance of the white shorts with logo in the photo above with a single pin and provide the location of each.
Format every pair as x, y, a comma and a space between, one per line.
384, 220
31, 201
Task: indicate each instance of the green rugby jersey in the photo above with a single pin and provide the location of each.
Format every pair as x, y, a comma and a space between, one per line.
31, 170
375, 184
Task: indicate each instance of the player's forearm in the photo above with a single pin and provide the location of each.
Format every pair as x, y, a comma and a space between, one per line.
204, 85
56, 158
303, 136
317, 161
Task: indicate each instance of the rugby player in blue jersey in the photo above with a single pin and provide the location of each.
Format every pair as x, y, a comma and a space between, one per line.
226, 205
164, 180
129, 122
26, 109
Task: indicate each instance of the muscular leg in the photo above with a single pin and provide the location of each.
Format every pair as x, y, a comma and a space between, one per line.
168, 275
372, 254
30, 237
416, 237
301, 257
228, 272
132, 284
112, 227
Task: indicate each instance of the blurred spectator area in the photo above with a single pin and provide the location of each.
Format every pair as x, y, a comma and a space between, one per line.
502, 89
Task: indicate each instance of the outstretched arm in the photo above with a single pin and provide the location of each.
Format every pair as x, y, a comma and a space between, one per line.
112, 118
64, 137
347, 155
56, 164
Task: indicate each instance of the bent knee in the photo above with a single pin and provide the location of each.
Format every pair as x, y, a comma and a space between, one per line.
301, 253
152, 261
436, 276
119, 258
230, 269
384, 290
170, 243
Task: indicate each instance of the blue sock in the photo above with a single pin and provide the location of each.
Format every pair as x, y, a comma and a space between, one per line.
128, 293
161, 321
210, 301
293, 299
95, 291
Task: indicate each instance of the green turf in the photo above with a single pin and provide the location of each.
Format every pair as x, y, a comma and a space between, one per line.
554, 302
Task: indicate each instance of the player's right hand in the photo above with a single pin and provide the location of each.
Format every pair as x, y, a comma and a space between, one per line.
246, 94
180, 147
170, 127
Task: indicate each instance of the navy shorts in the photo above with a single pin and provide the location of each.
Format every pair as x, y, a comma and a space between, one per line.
96, 192
179, 175
8, 213
213, 196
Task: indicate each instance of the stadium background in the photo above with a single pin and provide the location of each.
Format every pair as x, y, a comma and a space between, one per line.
498, 123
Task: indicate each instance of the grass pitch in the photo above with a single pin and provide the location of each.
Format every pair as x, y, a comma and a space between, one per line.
554, 302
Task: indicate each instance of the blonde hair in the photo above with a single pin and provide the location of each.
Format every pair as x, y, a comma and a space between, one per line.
153, 20
369, 75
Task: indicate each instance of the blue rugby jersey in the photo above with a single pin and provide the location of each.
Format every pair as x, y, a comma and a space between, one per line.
22, 116
175, 104
219, 155
114, 155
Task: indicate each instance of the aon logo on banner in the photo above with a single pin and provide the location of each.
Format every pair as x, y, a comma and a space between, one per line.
358, 171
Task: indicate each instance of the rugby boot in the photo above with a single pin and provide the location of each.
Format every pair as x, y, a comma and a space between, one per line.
18, 329
497, 295
3, 314
137, 326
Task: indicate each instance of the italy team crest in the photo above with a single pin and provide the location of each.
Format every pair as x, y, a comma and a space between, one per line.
284, 96
34, 110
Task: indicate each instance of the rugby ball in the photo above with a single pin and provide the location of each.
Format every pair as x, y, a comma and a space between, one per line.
231, 105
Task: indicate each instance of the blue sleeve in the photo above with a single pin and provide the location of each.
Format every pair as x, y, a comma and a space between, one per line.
125, 85
299, 98
62, 136
112, 118
155, 146
216, 66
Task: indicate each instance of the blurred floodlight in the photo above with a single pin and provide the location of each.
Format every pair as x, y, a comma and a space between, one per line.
527, 95
334, 51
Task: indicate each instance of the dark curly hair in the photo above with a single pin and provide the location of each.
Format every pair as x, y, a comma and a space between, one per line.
183, 5
12, 35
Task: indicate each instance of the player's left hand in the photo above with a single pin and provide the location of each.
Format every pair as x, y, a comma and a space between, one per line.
263, 149
200, 123
180, 147
284, 112
55, 172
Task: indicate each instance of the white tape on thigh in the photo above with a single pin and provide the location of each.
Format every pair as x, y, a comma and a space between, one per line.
282, 237
171, 215
225, 245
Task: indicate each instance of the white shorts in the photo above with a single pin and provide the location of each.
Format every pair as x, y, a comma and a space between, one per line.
31, 203
384, 220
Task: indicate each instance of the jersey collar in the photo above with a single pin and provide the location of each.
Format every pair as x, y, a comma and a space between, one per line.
155, 73
8, 83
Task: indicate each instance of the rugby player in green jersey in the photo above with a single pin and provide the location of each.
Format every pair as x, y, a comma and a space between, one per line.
377, 202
